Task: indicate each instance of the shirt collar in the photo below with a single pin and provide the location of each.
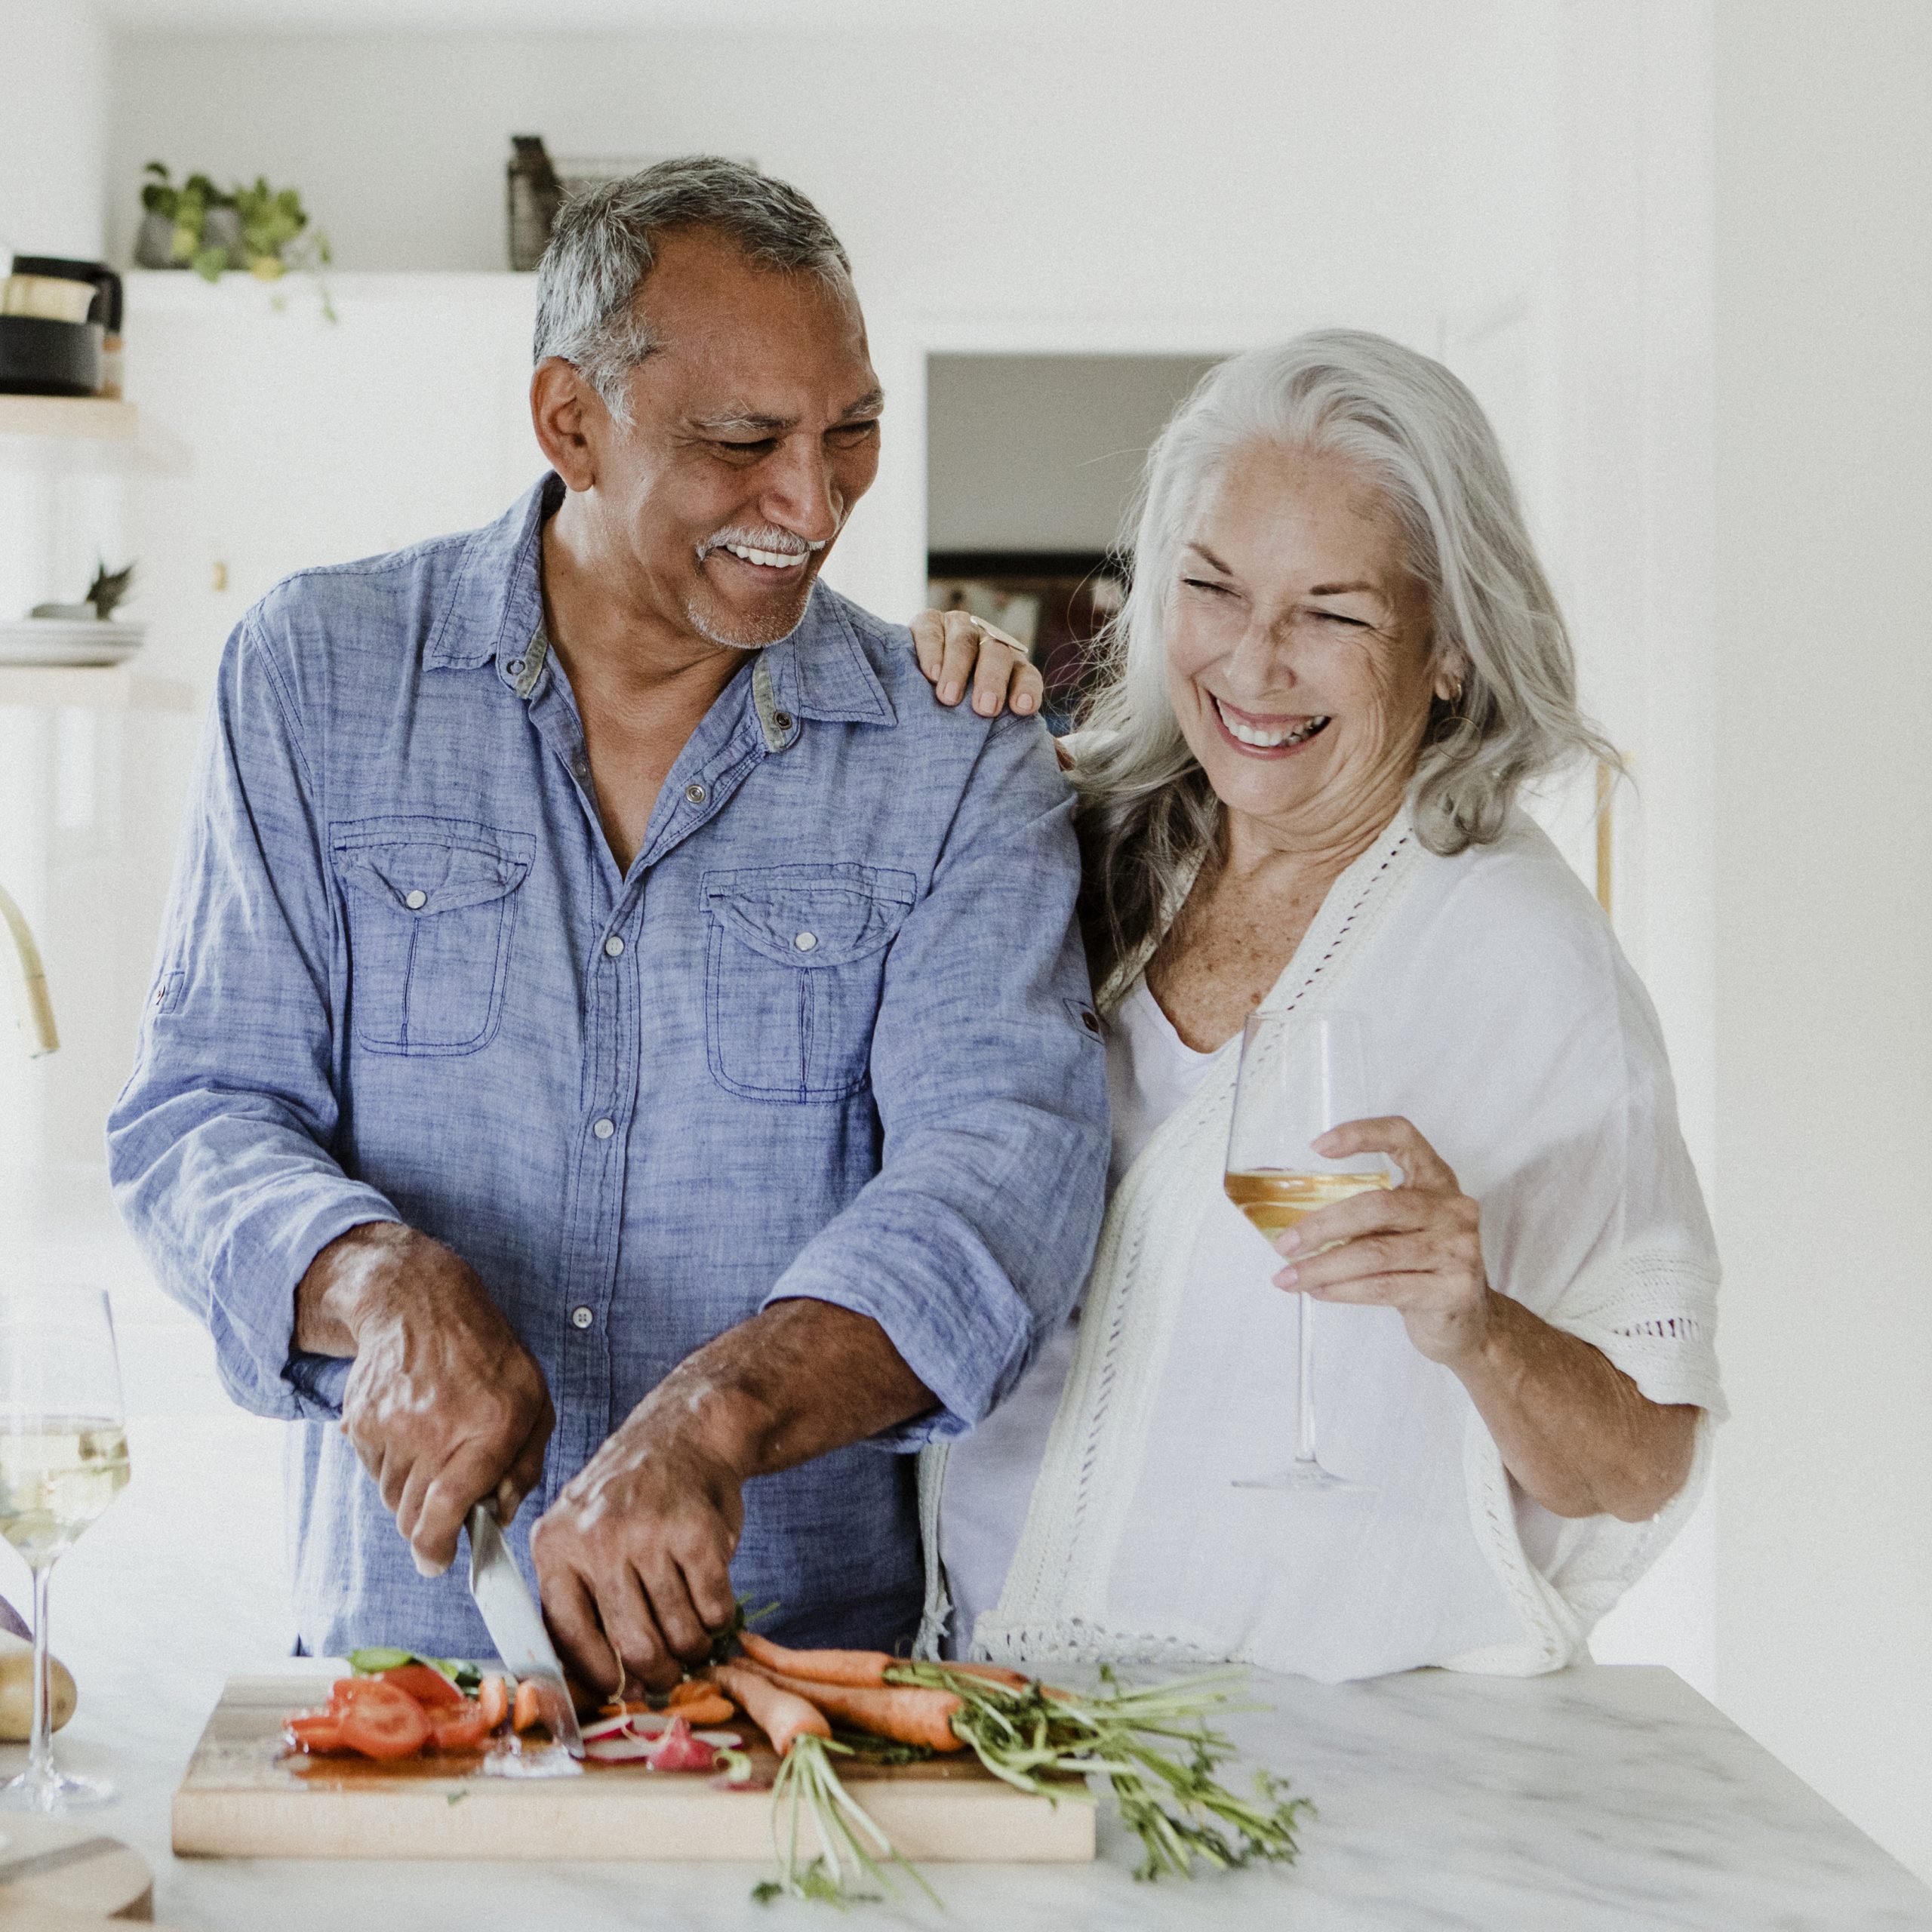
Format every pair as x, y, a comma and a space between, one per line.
495, 608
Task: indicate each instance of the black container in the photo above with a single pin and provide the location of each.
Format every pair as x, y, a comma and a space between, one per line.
41, 358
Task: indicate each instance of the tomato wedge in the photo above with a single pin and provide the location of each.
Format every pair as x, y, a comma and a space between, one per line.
494, 1701
383, 1722
427, 1684
317, 1732
461, 1728
527, 1710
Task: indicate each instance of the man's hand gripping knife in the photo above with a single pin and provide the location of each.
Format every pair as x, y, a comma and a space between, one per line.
445, 1406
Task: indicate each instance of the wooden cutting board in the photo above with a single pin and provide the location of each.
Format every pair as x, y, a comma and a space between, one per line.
243, 1797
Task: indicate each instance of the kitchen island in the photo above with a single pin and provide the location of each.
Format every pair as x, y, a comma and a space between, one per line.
1601, 1798
1604, 1796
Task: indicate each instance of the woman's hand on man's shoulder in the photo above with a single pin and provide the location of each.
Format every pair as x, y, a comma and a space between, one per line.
958, 652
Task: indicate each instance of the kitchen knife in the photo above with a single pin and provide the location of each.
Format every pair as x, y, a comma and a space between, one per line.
515, 1625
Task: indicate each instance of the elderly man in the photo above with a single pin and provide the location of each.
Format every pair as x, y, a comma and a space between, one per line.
617, 1043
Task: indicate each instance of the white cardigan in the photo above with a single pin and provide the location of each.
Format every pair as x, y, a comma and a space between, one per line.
1509, 1027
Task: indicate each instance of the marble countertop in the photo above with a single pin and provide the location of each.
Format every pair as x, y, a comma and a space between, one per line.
1604, 1797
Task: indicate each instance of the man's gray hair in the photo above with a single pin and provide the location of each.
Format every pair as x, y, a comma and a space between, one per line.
1148, 815
604, 243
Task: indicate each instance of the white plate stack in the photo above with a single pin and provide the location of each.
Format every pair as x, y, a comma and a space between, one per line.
70, 641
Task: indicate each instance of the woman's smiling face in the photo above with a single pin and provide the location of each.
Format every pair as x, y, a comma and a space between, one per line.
1299, 649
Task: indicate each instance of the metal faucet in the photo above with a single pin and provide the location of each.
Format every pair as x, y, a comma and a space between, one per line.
36, 1013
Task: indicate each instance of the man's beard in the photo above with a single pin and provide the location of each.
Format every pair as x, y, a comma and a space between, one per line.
747, 633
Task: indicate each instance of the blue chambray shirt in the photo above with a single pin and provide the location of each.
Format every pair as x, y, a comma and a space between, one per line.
829, 1037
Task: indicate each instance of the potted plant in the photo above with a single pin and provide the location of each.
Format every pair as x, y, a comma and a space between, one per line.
262, 229
194, 225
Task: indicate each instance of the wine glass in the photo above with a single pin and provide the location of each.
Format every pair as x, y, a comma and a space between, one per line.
1299, 1078
64, 1458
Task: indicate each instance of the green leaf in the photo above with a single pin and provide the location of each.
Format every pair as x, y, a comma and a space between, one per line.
209, 262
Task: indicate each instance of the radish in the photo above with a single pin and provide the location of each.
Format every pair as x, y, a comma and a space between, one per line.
678, 1750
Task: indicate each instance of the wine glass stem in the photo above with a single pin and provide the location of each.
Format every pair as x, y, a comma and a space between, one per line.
1305, 1406
40, 1749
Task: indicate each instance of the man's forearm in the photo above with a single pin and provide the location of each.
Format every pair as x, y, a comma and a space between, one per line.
336, 1290
1576, 1432
796, 1380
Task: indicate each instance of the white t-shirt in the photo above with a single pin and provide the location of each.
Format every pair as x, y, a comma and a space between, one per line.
989, 1475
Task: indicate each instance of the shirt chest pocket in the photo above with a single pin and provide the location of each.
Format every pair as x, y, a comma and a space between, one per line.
795, 964
431, 907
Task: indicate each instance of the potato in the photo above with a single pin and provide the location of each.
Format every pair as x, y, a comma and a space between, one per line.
16, 1689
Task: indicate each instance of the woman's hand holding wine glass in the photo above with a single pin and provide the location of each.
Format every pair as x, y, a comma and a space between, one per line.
1417, 1248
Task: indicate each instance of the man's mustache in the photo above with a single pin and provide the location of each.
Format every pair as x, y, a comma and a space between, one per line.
767, 537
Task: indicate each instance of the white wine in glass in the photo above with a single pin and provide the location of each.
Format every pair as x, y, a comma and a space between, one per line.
64, 1458
1298, 1078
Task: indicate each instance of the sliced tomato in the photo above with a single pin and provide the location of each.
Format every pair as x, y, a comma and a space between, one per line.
317, 1732
344, 1691
383, 1722
426, 1684
460, 1728
494, 1700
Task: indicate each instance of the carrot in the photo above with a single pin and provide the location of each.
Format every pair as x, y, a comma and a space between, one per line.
993, 1673
690, 1690
493, 1699
862, 1669
713, 1710
907, 1715
782, 1715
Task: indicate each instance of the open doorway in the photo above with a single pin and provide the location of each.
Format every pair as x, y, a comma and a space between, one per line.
1032, 462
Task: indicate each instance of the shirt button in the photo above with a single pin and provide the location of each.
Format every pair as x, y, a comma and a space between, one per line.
806, 941
614, 946
782, 720
416, 901
581, 1317
695, 793
604, 1129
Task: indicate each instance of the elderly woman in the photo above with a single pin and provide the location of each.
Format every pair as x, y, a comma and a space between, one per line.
1339, 664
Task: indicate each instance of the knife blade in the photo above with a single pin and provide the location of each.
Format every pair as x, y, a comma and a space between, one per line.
515, 1625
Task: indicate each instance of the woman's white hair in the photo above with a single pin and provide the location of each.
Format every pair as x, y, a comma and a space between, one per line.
1148, 814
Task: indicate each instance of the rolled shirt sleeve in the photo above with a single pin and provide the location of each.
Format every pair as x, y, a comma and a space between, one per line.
971, 1243
218, 1147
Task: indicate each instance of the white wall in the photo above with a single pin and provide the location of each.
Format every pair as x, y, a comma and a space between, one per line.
1824, 897
52, 144
54, 64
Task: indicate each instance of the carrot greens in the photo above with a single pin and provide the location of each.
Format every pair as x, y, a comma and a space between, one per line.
850, 1846
1153, 1747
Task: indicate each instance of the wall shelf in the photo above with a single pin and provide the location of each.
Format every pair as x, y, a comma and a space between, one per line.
91, 418
100, 687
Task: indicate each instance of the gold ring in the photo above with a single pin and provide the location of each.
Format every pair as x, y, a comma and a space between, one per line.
998, 636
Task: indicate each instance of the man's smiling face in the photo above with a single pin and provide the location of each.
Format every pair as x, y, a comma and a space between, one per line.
755, 431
